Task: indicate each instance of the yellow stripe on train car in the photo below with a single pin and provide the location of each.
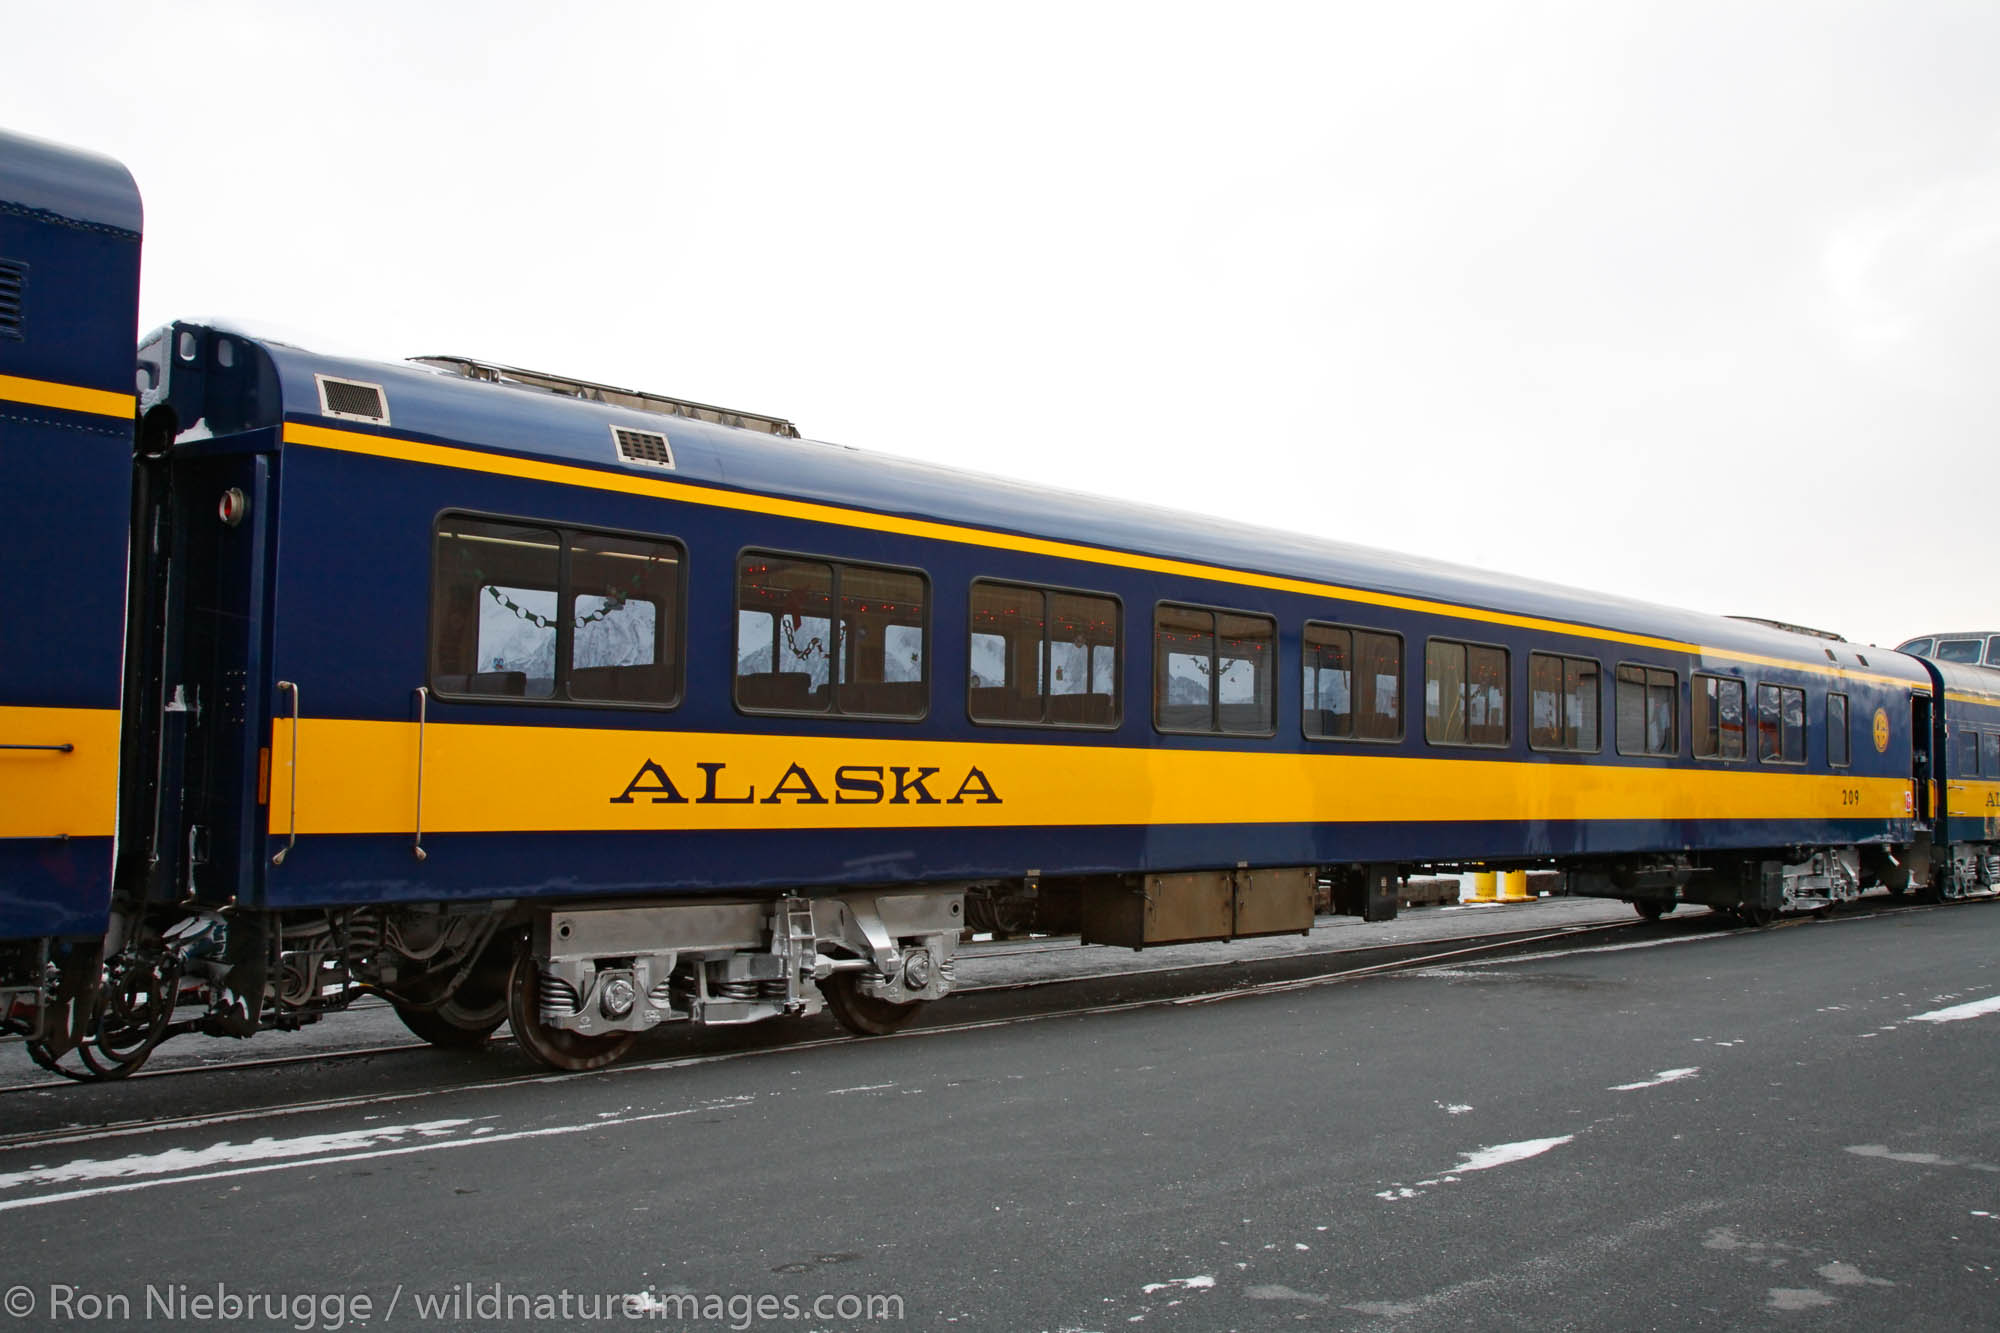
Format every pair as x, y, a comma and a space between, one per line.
357, 776
570, 474
49, 793
67, 397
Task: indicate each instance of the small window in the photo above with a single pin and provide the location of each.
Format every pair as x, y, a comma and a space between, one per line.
1968, 755
1043, 657
1718, 718
821, 636
1839, 753
1353, 684
1648, 710
1916, 648
1564, 700
1214, 671
527, 612
1781, 724
1465, 693
1993, 651
1959, 650
1989, 746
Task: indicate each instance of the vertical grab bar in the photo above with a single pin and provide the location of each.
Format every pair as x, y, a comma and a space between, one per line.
423, 708
293, 786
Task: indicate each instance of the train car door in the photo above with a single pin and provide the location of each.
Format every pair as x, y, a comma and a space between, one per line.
201, 626
1922, 772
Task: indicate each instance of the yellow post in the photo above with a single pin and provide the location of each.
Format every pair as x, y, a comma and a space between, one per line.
1482, 887
1514, 887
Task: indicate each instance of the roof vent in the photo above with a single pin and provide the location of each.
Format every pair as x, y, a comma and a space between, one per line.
587, 391
352, 400
643, 446
13, 298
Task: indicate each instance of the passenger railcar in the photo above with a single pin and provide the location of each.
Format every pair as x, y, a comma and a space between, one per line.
518, 698
69, 297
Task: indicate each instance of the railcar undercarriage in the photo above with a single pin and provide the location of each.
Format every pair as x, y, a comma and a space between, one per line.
578, 983
1758, 887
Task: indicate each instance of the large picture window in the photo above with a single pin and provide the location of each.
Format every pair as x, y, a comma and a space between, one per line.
1214, 671
1564, 702
1043, 657
1353, 686
1465, 693
824, 636
1648, 710
523, 611
1718, 718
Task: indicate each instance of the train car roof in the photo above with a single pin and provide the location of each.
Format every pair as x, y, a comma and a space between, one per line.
69, 184
434, 404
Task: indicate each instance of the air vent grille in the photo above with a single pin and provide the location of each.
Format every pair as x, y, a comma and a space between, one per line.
13, 298
643, 446
352, 400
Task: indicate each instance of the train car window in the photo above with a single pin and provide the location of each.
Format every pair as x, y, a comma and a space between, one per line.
1781, 724
623, 597
1989, 745
493, 628
1958, 650
819, 636
1718, 718
1968, 755
1352, 684
1043, 657
1465, 693
1648, 710
1916, 647
527, 612
1565, 699
1993, 651
1839, 749
1214, 671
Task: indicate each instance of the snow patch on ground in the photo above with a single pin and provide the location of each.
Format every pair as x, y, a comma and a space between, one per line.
175, 1160
1664, 1076
1881, 1151
1960, 1012
1504, 1154
1201, 1283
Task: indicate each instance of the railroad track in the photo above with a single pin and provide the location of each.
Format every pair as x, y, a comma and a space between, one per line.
1308, 971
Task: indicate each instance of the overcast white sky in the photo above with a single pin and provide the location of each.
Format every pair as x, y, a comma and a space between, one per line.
1695, 302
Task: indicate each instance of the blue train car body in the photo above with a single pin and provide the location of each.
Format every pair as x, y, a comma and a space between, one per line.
69, 289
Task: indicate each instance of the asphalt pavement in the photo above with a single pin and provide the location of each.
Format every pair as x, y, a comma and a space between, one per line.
1670, 1126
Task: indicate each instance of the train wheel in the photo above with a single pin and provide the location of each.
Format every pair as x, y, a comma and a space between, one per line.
42, 1054
469, 1018
863, 1015
1757, 916
558, 1048
1653, 908
452, 1027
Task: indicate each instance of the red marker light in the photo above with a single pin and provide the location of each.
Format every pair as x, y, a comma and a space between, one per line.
232, 507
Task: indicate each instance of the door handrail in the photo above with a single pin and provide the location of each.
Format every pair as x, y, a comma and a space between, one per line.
292, 788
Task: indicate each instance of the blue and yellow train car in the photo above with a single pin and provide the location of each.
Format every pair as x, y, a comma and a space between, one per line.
69, 290
467, 654
518, 698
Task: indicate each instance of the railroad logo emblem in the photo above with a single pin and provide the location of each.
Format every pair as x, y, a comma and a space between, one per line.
1881, 731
